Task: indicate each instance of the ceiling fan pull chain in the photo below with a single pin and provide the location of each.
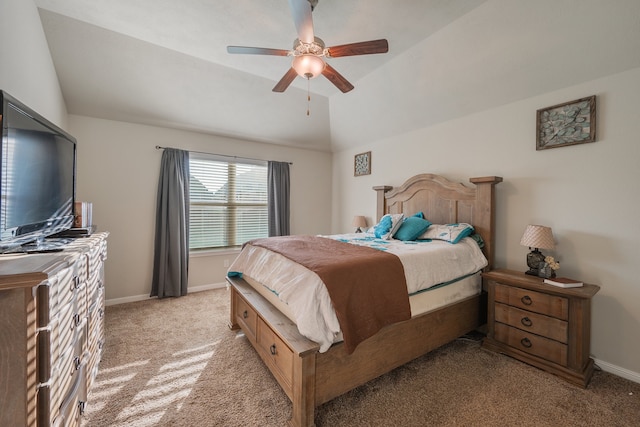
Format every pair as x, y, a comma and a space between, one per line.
308, 95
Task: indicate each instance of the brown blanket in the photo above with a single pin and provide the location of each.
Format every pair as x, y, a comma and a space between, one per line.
367, 286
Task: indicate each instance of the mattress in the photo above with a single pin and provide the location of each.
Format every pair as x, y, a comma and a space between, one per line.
421, 302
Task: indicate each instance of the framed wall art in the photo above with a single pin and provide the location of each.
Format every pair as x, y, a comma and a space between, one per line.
571, 123
362, 164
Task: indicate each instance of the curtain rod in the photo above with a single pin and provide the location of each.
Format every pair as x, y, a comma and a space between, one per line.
221, 155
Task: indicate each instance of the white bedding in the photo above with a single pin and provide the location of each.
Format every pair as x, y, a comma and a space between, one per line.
426, 264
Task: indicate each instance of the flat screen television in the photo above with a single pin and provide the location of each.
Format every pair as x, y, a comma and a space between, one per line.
37, 178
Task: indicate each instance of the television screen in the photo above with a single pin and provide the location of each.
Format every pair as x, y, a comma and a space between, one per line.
37, 178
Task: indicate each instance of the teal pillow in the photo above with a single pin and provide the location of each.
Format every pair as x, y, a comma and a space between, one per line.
411, 228
387, 226
383, 227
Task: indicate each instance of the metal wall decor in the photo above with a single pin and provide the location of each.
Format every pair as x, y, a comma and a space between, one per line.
362, 164
571, 123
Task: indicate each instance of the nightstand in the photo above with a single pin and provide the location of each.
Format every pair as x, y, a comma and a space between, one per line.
543, 325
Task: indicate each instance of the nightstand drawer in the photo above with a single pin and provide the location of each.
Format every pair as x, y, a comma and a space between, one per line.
537, 302
545, 348
538, 324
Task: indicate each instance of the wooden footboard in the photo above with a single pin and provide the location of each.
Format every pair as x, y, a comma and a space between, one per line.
310, 378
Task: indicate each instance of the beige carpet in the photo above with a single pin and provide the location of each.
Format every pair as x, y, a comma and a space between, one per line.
174, 362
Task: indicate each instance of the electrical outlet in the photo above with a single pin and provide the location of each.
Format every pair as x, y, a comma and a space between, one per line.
226, 263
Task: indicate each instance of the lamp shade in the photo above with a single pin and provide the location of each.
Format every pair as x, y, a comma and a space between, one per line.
359, 221
538, 236
308, 65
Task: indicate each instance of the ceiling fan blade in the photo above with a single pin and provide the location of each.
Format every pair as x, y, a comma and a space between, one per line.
301, 11
285, 81
257, 50
336, 78
361, 48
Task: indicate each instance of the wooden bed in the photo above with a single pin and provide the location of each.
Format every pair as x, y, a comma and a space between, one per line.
310, 378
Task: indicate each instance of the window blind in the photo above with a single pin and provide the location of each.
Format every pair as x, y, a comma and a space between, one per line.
228, 201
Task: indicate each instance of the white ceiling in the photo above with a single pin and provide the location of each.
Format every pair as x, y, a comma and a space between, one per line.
164, 62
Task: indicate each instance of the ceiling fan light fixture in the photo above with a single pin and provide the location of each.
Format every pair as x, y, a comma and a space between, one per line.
308, 66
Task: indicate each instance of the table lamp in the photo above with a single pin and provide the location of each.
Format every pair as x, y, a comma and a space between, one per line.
359, 221
536, 237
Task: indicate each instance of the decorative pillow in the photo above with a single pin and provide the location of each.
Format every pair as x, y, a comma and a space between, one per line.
419, 215
451, 233
411, 228
387, 226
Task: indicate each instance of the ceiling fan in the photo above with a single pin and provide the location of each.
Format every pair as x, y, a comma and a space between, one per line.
309, 51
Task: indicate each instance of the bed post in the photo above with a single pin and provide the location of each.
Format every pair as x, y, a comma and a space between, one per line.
304, 391
381, 200
233, 323
484, 215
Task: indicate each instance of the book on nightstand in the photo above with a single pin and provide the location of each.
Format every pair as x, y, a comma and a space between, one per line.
563, 282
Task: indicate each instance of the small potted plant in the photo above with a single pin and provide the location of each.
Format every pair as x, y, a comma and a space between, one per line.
548, 268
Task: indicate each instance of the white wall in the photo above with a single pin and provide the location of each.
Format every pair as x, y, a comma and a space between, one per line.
588, 194
118, 169
26, 68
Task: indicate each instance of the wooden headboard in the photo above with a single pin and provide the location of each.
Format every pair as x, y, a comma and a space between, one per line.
445, 202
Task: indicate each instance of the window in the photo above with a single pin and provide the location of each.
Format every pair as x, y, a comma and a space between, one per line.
228, 201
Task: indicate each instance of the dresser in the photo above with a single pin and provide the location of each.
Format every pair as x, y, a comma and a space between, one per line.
543, 325
51, 332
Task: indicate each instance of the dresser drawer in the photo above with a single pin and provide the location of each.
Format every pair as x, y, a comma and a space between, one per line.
63, 332
537, 302
545, 348
277, 353
95, 322
72, 406
62, 289
247, 317
538, 324
64, 373
96, 257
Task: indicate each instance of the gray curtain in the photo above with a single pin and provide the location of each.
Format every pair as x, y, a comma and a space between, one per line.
278, 198
171, 250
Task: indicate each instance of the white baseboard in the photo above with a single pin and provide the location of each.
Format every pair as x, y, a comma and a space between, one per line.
618, 371
116, 301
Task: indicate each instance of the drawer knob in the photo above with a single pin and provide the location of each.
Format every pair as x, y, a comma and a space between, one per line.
526, 342
245, 314
273, 350
526, 321
75, 321
526, 300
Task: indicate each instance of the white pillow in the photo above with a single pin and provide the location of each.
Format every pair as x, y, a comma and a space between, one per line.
451, 233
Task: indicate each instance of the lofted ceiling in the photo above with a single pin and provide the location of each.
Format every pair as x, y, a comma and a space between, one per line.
163, 62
